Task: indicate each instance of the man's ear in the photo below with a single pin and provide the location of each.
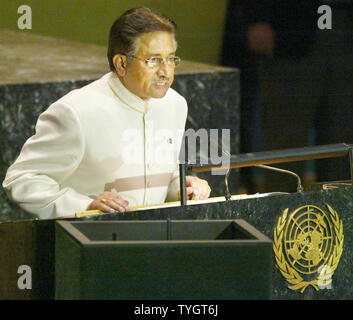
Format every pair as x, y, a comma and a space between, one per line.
120, 62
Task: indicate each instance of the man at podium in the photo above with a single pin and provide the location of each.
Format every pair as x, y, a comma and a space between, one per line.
100, 147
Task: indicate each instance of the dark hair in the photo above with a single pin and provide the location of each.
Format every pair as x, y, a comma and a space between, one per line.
132, 24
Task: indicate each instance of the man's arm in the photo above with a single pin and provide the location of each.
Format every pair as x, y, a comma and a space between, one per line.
46, 160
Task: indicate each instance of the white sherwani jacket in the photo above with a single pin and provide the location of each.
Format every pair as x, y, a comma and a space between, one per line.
99, 138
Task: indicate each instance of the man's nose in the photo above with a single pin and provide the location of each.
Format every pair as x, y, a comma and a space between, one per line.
164, 69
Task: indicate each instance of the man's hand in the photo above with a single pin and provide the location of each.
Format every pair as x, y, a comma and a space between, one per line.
196, 188
109, 202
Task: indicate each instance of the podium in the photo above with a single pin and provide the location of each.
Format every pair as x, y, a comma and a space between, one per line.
198, 249
159, 260
33, 242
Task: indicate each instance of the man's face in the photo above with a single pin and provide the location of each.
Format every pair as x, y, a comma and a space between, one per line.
144, 81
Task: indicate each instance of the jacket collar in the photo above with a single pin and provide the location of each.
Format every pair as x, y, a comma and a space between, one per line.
133, 101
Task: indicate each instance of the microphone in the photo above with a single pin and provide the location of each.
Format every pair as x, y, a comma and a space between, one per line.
225, 152
299, 186
228, 196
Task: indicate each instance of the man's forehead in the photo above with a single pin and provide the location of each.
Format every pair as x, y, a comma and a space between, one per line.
156, 43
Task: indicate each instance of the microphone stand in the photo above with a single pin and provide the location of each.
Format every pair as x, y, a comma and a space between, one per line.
271, 157
299, 187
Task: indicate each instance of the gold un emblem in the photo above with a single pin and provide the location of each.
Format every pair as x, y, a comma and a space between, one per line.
308, 244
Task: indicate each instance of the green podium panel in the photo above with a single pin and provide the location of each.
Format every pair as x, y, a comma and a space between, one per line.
169, 259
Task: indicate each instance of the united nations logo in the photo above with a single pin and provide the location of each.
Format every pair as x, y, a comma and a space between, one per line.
308, 245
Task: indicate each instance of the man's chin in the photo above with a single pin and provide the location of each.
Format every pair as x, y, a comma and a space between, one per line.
159, 93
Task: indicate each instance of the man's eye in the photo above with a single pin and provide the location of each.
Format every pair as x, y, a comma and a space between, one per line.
154, 60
